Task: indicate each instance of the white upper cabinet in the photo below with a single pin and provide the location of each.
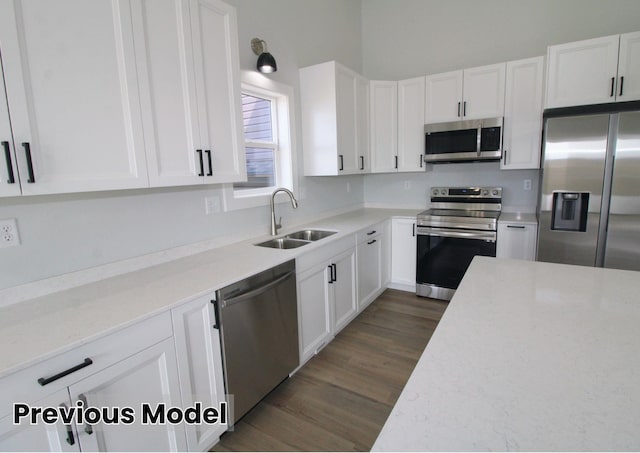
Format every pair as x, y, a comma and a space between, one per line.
72, 93
629, 68
523, 114
9, 183
411, 95
384, 126
483, 92
334, 120
191, 91
589, 72
443, 97
470, 94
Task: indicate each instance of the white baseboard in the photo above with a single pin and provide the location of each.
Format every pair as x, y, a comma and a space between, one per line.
402, 287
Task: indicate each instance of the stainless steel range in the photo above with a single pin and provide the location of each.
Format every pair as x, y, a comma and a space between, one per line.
461, 224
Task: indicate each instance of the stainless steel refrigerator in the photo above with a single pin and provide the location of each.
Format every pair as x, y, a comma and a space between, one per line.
589, 207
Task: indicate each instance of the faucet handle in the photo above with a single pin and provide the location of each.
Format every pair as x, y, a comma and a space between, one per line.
279, 223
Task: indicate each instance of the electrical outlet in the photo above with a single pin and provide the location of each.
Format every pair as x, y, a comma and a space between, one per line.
527, 184
9, 236
348, 187
211, 205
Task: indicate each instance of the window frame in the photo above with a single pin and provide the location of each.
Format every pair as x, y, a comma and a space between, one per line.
285, 165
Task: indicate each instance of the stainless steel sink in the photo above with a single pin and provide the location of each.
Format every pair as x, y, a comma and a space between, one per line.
283, 243
296, 239
310, 235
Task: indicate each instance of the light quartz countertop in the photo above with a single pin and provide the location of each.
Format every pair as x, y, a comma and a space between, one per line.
39, 328
528, 356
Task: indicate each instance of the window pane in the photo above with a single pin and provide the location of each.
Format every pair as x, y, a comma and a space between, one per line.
256, 117
260, 169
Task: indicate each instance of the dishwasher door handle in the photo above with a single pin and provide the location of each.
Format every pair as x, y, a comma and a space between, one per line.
256, 292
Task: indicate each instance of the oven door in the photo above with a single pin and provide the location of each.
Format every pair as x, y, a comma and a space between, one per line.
443, 256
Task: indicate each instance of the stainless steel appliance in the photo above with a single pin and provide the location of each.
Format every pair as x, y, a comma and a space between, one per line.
589, 209
463, 141
461, 224
258, 320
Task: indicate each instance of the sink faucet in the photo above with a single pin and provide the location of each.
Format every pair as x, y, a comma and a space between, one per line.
294, 203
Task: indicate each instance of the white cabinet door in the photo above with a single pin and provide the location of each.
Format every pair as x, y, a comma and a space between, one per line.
345, 302
73, 96
214, 35
165, 64
9, 181
148, 377
411, 95
582, 73
403, 253
483, 92
443, 97
346, 117
199, 358
384, 123
41, 436
369, 270
523, 114
314, 310
629, 68
362, 124
516, 240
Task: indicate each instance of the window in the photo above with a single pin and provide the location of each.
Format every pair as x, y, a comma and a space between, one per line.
260, 140
268, 139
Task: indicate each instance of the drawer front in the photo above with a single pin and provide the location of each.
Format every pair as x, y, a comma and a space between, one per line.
22, 386
370, 232
325, 253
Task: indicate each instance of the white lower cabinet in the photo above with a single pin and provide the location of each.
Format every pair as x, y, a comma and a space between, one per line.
517, 239
403, 254
148, 377
199, 359
326, 296
40, 436
371, 268
126, 369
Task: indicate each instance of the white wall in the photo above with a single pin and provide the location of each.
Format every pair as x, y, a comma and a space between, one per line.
409, 38
65, 233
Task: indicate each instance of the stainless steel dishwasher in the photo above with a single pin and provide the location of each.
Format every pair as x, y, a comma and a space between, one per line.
258, 320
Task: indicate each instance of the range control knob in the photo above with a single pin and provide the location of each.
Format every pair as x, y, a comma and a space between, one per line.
435, 191
485, 192
494, 192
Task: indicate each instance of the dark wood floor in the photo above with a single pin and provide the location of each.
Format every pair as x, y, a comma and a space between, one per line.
341, 398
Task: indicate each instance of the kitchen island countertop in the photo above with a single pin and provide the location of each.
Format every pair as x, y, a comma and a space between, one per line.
528, 356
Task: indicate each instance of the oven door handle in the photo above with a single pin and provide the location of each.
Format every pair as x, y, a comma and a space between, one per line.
489, 236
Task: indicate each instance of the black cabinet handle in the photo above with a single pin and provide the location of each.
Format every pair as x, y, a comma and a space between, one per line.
361, 162
464, 108
70, 438
45, 381
421, 160
414, 230
208, 151
613, 81
331, 280
199, 151
341, 157
371, 242
396, 158
520, 227
504, 158
335, 273
458, 109
7, 155
621, 84
88, 428
27, 151
371, 232
216, 314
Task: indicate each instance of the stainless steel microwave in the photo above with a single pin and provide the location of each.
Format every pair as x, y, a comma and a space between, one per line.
463, 141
